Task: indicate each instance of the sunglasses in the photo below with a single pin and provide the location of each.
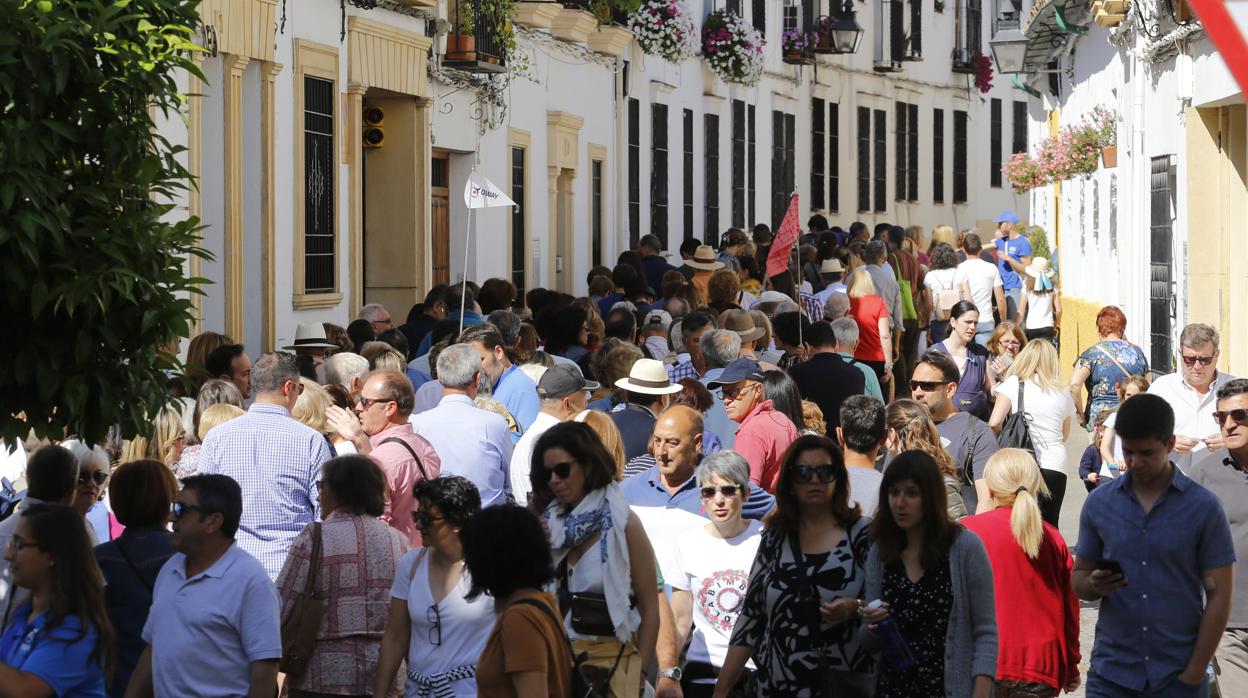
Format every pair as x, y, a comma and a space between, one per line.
729, 392
563, 470
807, 473
1202, 360
726, 490
926, 386
434, 615
98, 477
180, 508
367, 402
1240, 416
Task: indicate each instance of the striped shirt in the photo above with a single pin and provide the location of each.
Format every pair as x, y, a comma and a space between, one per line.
276, 460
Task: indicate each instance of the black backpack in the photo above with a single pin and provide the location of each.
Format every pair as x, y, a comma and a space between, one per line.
1016, 429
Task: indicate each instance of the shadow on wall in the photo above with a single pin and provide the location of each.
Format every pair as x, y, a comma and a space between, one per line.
1078, 330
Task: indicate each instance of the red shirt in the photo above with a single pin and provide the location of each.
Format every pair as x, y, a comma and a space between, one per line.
1037, 611
762, 439
867, 311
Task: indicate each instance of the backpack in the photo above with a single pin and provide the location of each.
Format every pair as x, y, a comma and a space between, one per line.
945, 300
1016, 429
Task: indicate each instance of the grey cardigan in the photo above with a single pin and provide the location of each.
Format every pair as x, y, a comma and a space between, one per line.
971, 641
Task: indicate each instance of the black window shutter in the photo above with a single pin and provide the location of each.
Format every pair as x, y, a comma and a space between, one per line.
760, 17
1020, 128
818, 179
994, 147
912, 157
751, 197
634, 171
687, 171
319, 194
960, 123
938, 156
777, 168
738, 163
864, 159
881, 160
834, 157
899, 148
658, 172
711, 136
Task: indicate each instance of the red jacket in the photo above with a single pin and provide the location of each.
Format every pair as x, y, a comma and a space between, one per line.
762, 439
1037, 611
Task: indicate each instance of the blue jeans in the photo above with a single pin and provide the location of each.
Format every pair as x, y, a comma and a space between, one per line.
984, 332
1098, 687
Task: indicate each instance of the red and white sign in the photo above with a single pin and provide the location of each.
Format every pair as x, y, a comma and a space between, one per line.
1226, 23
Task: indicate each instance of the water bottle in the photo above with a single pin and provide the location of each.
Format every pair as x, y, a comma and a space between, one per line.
897, 653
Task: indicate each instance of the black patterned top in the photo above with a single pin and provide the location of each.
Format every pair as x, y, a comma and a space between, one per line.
775, 619
921, 612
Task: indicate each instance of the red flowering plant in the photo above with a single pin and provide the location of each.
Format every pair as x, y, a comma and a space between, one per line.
983, 71
733, 48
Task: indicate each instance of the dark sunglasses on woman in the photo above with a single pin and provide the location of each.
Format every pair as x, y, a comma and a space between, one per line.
98, 476
563, 470
726, 490
807, 473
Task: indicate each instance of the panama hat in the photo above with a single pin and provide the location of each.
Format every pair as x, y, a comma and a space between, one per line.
831, 266
647, 376
704, 258
310, 335
1039, 268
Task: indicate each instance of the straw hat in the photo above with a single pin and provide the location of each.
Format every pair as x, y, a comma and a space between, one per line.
648, 377
1039, 268
832, 265
704, 258
310, 335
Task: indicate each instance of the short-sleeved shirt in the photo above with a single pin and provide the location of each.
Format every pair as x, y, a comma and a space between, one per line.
867, 311
1146, 631
206, 631
1048, 411
1228, 481
983, 278
968, 436
59, 657
519, 393
1105, 375
1193, 413
1016, 248
526, 639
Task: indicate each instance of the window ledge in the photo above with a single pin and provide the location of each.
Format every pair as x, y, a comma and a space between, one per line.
307, 301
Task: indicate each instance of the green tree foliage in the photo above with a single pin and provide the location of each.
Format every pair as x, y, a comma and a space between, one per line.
91, 249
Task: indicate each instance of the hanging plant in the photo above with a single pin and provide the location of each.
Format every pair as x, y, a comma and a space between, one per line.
665, 29
1074, 153
733, 48
983, 72
1024, 173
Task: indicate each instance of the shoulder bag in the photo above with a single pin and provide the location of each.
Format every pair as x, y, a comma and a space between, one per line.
582, 686
908, 311
589, 610
1016, 429
301, 627
832, 683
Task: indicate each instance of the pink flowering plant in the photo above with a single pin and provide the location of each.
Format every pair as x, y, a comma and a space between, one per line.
983, 72
732, 48
1024, 173
664, 28
795, 40
1104, 121
1074, 153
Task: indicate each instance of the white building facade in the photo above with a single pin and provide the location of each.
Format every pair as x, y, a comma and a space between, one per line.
1156, 233
597, 142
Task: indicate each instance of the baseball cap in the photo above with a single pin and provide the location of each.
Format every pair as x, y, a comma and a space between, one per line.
737, 371
563, 380
657, 318
1006, 217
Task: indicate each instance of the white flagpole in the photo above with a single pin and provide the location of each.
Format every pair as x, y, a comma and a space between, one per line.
463, 295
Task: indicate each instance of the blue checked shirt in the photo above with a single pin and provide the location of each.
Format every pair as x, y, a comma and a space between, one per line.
276, 460
682, 369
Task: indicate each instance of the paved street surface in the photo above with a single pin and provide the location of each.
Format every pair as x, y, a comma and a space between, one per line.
1073, 504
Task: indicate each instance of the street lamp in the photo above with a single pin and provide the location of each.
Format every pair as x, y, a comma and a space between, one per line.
845, 30
1009, 44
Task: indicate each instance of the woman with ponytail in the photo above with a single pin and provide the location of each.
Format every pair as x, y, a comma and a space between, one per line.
1037, 612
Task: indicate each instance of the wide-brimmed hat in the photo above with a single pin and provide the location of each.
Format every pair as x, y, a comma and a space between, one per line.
310, 335
1039, 268
739, 321
831, 265
704, 258
649, 377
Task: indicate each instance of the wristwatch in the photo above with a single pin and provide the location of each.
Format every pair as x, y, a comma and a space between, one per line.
674, 673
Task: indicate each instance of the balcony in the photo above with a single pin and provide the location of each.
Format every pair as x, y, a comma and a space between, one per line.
477, 42
799, 37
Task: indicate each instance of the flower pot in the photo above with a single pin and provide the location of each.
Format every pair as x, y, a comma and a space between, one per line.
461, 48
798, 58
1109, 156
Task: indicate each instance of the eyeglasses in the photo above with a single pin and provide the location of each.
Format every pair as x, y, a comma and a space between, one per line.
434, 616
732, 392
367, 402
1202, 360
298, 384
18, 545
180, 508
808, 473
423, 517
726, 490
1240, 416
96, 476
563, 470
926, 386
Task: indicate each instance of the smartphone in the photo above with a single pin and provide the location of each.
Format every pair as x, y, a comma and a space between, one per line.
1110, 565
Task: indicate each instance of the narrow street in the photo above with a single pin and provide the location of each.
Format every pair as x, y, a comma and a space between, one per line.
1075, 496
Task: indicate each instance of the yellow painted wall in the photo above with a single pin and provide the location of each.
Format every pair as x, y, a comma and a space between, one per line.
1078, 330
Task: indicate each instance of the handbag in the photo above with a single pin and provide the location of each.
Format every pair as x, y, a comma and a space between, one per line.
582, 685
590, 615
301, 627
1016, 429
908, 311
832, 683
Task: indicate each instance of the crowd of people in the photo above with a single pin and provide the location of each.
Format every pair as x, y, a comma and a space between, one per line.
843, 480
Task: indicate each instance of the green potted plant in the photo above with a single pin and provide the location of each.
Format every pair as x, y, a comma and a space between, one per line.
461, 43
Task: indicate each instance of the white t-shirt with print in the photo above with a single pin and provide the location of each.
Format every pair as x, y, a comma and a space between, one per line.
716, 571
1049, 409
983, 277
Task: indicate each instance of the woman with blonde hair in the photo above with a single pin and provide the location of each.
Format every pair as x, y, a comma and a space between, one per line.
1033, 385
1038, 651
875, 338
910, 428
916, 243
212, 417
608, 434
311, 405
942, 234
383, 357
166, 443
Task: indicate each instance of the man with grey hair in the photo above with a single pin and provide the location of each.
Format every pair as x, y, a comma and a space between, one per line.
836, 307
846, 332
348, 370
470, 441
1192, 393
379, 429
377, 316
719, 348
275, 459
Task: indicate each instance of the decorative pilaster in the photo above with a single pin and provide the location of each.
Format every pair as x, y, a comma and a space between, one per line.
355, 175
268, 149
233, 67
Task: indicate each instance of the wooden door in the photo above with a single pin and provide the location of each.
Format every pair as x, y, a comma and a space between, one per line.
440, 218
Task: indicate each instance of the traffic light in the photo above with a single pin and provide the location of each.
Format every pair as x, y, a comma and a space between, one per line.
374, 134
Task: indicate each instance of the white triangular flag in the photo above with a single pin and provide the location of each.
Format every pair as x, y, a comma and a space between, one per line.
480, 192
